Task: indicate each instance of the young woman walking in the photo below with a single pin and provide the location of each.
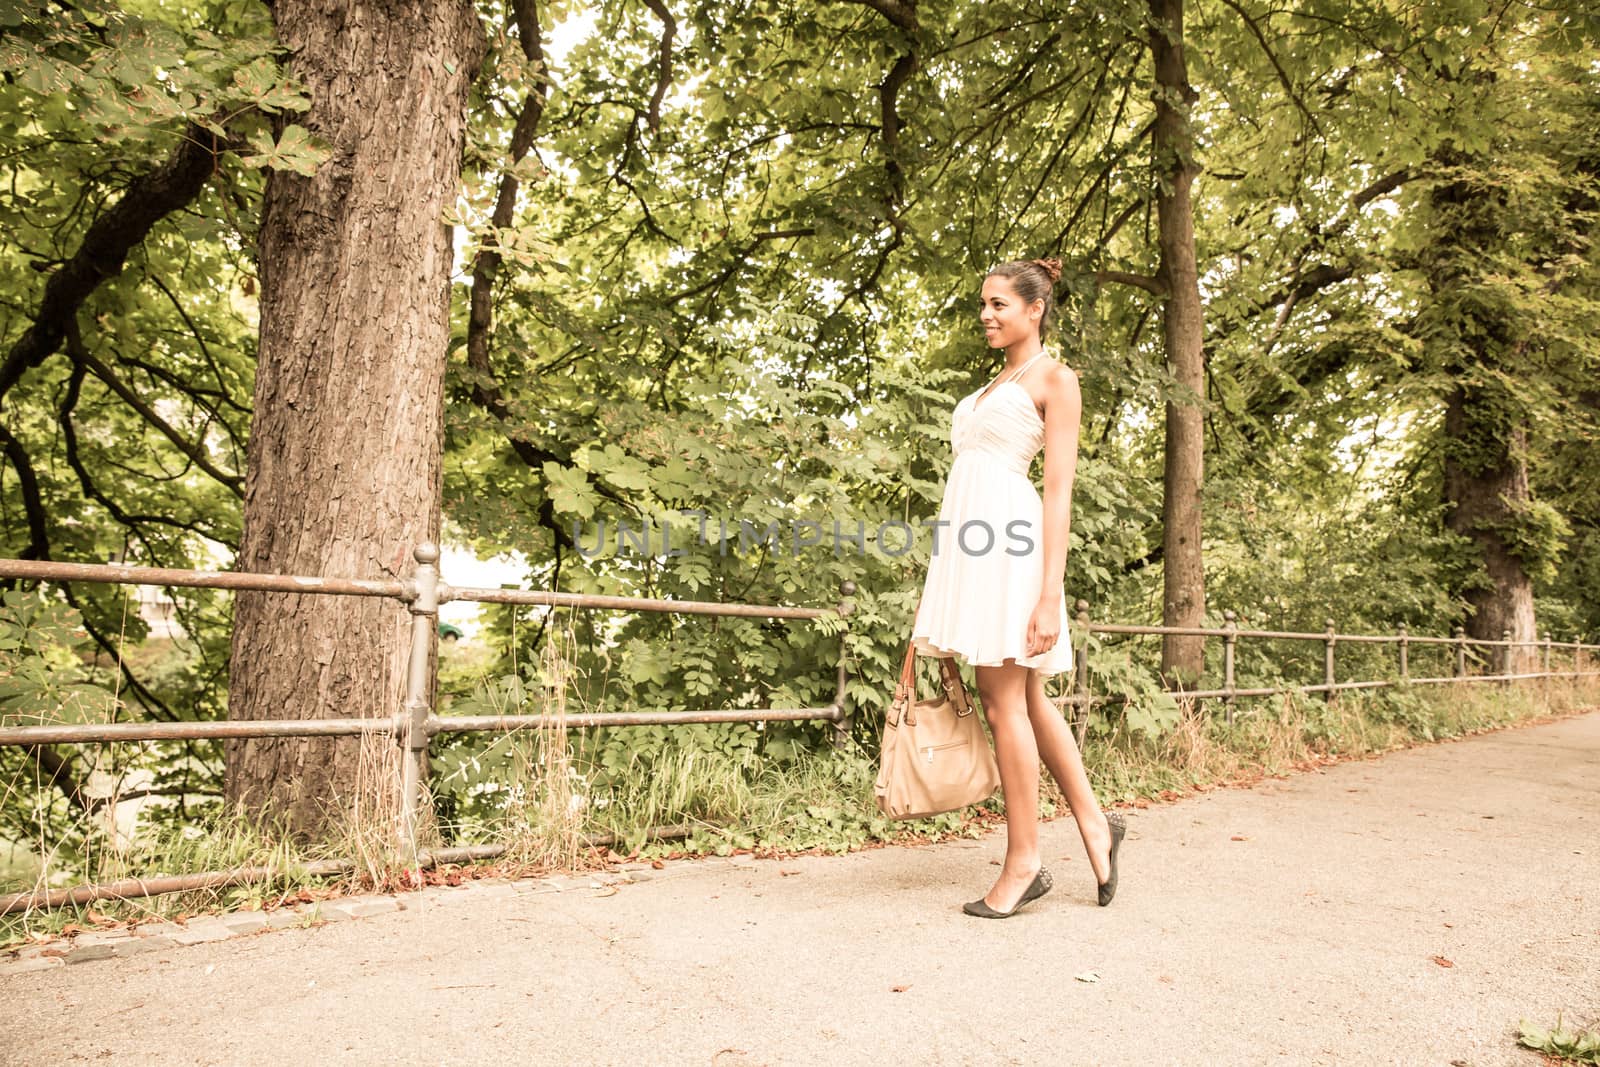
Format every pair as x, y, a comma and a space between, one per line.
993, 594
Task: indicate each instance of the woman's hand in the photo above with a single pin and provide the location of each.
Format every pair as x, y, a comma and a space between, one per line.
1044, 627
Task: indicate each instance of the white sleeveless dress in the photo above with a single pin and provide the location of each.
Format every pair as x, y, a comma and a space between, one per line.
987, 564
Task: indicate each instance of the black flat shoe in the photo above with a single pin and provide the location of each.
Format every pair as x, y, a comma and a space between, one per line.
1119, 827
1037, 888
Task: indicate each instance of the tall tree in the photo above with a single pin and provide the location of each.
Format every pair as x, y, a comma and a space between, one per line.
345, 443
1505, 235
1183, 601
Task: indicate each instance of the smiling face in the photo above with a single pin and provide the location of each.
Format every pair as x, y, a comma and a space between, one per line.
1008, 321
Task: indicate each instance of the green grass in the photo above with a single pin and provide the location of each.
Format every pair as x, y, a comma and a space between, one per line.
215, 844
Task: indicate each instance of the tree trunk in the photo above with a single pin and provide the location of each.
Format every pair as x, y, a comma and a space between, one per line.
344, 475
1482, 347
1486, 495
1183, 601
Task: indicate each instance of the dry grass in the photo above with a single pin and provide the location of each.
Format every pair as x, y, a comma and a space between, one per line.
1290, 731
544, 819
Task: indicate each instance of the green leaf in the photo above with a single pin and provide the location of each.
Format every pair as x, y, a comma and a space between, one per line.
295, 151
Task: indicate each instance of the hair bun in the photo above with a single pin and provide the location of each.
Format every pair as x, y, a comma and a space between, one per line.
1052, 267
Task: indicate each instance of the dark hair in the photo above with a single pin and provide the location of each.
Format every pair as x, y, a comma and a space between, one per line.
1033, 279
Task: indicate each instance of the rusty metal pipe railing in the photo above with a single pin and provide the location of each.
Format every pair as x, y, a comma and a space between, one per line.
460, 724
111, 574
415, 724
419, 687
98, 733
539, 597
1481, 651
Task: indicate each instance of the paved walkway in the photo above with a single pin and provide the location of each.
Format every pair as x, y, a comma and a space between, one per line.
1409, 909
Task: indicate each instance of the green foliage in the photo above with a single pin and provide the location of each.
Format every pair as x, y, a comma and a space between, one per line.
42, 677
1572, 1046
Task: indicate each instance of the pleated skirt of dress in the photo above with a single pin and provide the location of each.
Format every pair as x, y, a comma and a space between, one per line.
975, 603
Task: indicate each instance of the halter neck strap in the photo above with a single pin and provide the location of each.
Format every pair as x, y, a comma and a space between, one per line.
1020, 371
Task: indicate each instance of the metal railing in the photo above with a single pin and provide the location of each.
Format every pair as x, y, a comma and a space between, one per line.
415, 724
1502, 654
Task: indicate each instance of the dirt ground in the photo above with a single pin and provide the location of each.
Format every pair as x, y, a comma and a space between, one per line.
1408, 909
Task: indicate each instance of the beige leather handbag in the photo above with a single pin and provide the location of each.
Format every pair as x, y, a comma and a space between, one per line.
935, 757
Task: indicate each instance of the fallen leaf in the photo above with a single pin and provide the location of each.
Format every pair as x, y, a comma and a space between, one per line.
1087, 976
898, 988
785, 873
1238, 837
1450, 925
1441, 961
657, 864
1164, 978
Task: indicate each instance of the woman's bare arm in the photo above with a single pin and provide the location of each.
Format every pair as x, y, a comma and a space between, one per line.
1063, 409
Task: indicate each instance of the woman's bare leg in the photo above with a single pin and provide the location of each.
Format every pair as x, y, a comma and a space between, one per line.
1059, 750
1003, 692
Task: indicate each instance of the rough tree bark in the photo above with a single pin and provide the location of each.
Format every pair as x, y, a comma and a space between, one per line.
344, 465
1183, 601
1484, 493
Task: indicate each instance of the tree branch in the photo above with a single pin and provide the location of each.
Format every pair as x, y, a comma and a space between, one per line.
1150, 285
148, 199
69, 440
669, 29
903, 13
486, 265
58, 775
32, 503
1382, 187
80, 354
1283, 75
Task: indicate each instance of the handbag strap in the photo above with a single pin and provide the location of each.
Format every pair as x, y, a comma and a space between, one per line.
905, 694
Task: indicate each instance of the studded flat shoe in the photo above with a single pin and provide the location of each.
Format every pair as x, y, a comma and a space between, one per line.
1037, 888
1119, 827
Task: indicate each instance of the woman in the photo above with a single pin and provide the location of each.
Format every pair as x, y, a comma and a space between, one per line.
993, 594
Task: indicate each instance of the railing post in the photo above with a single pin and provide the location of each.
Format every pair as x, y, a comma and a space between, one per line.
1461, 651
1405, 661
1505, 654
1549, 638
413, 726
1327, 663
1080, 670
841, 725
1230, 640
